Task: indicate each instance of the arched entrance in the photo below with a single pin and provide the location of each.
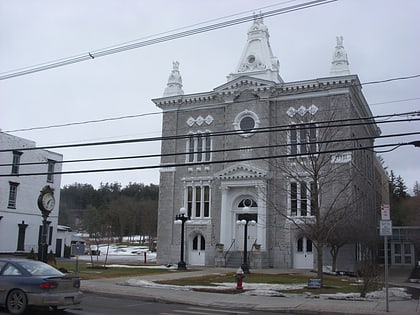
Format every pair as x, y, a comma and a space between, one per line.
304, 256
198, 250
247, 209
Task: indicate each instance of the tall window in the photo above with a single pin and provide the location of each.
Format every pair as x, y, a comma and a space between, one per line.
12, 195
198, 147
16, 162
301, 198
198, 201
302, 139
50, 173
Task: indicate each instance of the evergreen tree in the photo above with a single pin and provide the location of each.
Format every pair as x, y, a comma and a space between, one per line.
398, 195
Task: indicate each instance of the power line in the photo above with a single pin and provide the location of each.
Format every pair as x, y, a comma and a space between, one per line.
189, 109
142, 43
133, 168
318, 142
319, 124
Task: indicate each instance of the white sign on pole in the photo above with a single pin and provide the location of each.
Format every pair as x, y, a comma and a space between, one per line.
385, 228
385, 212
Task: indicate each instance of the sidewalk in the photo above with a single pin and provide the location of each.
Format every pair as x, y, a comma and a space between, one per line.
292, 303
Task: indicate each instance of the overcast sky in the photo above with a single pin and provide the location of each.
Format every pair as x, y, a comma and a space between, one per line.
381, 38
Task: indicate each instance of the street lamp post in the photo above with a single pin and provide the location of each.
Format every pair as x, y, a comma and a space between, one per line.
181, 218
247, 219
44, 245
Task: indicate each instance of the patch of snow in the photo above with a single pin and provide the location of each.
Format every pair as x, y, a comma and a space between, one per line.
138, 267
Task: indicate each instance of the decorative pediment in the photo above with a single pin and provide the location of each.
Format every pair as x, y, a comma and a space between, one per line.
241, 171
243, 83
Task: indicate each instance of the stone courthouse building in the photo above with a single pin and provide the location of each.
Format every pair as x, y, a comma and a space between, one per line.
268, 153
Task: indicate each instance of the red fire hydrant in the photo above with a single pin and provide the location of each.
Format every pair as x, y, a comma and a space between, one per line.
239, 276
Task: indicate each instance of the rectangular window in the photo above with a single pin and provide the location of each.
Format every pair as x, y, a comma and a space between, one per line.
198, 201
303, 200
300, 198
206, 201
191, 148
16, 162
293, 140
308, 245
12, 195
293, 198
189, 200
302, 139
50, 173
199, 147
313, 199
312, 139
208, 146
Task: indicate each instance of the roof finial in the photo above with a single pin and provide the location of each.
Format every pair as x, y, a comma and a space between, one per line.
174, 86
257, 58
340, 63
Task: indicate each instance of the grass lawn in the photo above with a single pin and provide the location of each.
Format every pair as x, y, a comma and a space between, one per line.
88, 273
332, 284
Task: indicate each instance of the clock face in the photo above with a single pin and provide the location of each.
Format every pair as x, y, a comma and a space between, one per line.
48, 201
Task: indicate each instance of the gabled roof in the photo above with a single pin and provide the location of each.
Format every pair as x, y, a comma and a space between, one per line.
241, 171
244, 82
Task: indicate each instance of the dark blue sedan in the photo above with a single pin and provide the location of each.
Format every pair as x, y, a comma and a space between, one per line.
25, 282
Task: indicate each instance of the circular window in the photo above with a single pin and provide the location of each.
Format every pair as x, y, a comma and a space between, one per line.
251, 58
247, 124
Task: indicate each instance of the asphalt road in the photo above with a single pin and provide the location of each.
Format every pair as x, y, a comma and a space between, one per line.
94, 304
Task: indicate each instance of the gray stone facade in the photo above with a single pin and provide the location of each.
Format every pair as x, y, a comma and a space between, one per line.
244, 150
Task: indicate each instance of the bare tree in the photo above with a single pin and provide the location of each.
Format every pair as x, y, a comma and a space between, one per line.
318, 180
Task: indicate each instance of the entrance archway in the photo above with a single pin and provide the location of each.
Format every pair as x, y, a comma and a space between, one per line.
198, 250
304, 256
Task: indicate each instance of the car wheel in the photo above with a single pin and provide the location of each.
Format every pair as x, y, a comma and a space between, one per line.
16, 302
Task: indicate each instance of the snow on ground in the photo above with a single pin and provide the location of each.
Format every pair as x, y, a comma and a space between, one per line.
264, 289
121, 253
132, 254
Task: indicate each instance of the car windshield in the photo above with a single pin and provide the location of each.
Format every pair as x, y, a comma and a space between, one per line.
37, 268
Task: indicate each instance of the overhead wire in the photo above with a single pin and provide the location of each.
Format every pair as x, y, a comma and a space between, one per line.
147, 42
169, 165
319, 124
318, 142
189, 109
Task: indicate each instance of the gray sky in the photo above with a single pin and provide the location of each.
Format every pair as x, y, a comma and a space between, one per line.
380, 37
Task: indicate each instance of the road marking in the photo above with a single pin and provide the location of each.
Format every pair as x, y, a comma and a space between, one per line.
219, 310
204, 311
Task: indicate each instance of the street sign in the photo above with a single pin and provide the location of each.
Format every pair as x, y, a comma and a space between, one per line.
385, 228
77, 249
385, 212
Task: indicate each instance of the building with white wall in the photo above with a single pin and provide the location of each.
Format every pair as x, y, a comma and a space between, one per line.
20, 217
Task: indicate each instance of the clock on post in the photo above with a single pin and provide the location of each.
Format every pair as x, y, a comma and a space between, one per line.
46, 199
46, 203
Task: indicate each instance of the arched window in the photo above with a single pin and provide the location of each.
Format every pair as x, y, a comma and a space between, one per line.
250, 203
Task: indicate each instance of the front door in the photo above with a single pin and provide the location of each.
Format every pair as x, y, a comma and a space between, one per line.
251, 233
304, 257
198, 252
402, 253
